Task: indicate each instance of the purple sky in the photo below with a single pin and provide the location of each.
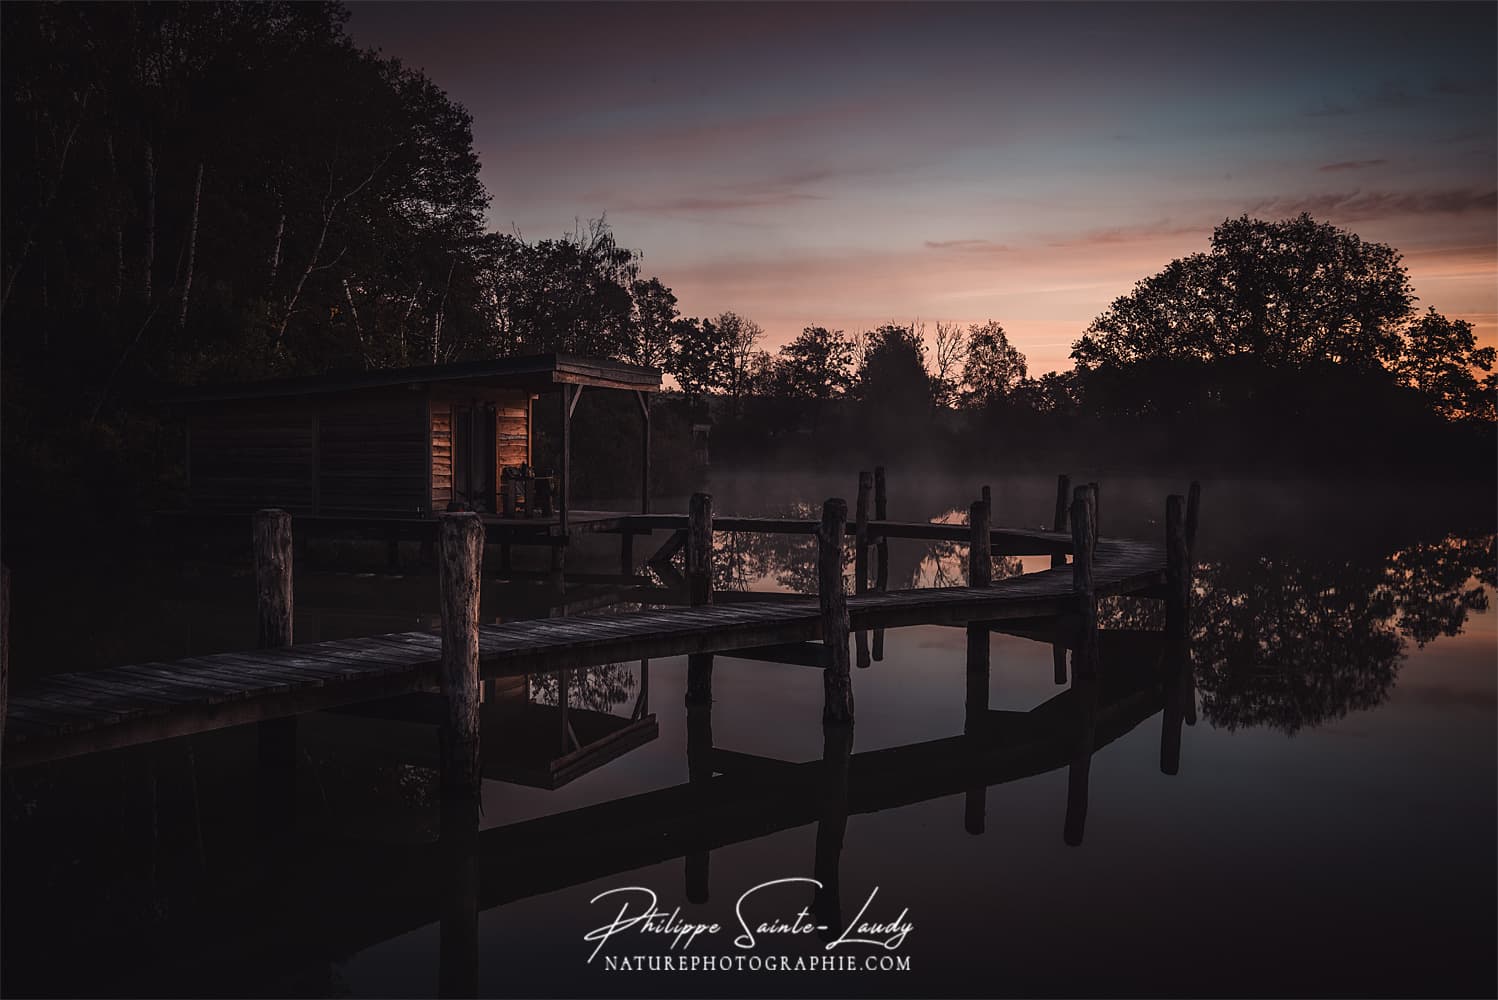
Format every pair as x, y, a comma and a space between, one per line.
847, 165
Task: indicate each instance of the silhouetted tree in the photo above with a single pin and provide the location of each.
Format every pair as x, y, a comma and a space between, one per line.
655, 314
572, 294
1440, 360
951, 344
894, 370
816, 365
740, 337
993, 367
1283, 292
699, 360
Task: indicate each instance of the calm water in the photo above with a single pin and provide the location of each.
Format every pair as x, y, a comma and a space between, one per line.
1330, 830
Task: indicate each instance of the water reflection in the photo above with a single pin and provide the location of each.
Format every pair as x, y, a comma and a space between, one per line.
184, 887
1292, 642
1285, 641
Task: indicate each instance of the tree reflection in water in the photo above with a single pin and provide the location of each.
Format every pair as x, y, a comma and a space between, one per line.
1290, 643
598, 688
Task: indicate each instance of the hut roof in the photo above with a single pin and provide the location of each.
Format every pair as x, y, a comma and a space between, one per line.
537, 373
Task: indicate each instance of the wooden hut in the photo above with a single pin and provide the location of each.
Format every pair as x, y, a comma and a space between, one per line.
400, 443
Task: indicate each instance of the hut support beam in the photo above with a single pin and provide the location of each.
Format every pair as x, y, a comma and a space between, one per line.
643, 398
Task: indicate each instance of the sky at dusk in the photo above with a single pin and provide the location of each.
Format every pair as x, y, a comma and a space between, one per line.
847, 165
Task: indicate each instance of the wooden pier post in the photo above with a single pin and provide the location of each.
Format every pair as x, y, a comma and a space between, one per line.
1096, 530
861, 533
979, 574
699, 560
1059, 522
700, 550
273, 564
837, 684
861, 558
881, 513
980, 545
987, 495
1177, 568
881, 547
626, 552
1084, 660
276, 738
460, 560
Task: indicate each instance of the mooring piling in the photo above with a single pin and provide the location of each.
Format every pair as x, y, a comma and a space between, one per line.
699, 559
1193, 514
1084, 541
881, 513
1177, 570
459, 563
861, 557
837, 684
980, 545
881, 578
272, 539
861, 533
1060, 523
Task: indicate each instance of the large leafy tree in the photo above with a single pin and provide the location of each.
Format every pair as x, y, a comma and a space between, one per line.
1285, 293
699, 359
993, 368
655, 313
1441, 360
740, 337
893, 374
818, 364
573, 294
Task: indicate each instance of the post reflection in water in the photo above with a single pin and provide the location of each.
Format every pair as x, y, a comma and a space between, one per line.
458, 936
832, 824
699, 773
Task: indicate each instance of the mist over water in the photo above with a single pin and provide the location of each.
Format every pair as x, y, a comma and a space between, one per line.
1334, 809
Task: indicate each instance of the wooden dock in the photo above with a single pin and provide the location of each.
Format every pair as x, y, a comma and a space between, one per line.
69, 714
74, 713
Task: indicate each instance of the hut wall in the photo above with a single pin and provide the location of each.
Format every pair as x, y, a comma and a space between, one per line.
372, 454
249, 455
512, 436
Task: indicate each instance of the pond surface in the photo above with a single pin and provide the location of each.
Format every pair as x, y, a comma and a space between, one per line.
1330, 827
